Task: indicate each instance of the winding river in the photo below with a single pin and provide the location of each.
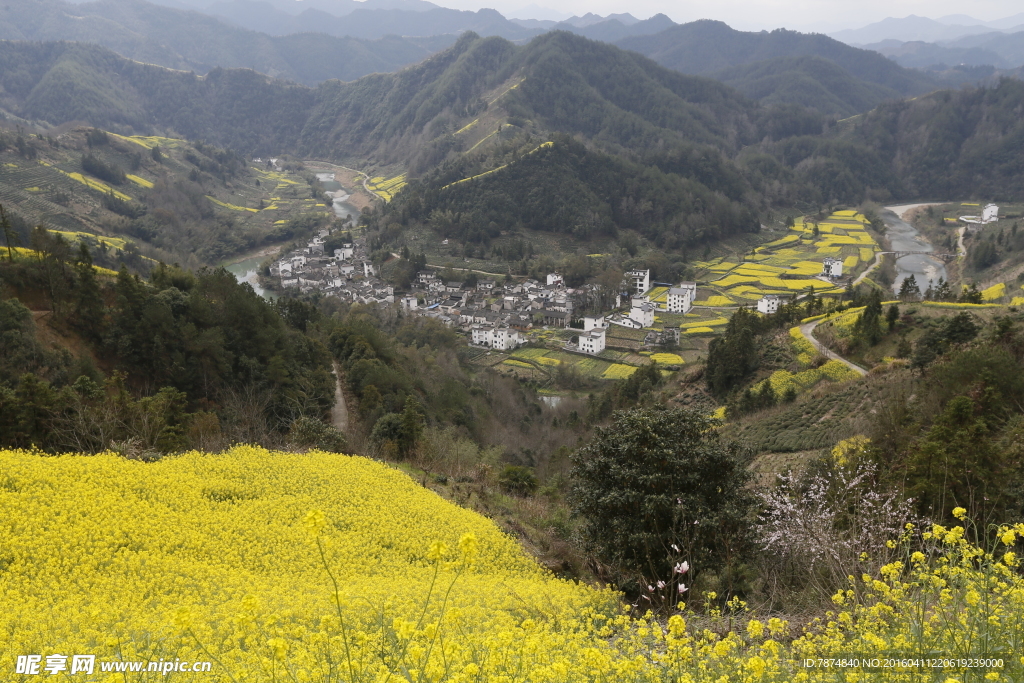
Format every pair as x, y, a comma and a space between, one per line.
905, 237
246, 269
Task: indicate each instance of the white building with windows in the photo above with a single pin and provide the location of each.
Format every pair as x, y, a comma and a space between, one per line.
640, 280
592, 342
681, 298
501, 338
641, 311
832, 267
769, 304
554, 279
593, 322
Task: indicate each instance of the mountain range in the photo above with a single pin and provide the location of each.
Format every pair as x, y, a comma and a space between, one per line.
777, 67
915, 28
1001, 50
190, 41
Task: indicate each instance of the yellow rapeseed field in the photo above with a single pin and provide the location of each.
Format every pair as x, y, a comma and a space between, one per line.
324, 567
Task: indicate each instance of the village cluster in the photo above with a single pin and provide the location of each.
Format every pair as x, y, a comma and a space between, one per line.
497, 314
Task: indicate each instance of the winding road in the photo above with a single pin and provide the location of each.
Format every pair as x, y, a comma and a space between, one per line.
808, 331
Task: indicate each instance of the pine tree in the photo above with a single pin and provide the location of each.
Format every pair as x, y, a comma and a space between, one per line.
909, 289
88, 300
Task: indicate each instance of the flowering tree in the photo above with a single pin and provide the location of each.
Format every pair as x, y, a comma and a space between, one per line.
819, 529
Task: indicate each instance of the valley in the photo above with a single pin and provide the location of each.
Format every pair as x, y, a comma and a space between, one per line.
351, 342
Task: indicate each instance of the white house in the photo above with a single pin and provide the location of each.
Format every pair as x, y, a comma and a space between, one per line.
681, 298
481, 334
506, 339
554, 279
593, 341
768, 304
832, 267
369, 270
593, 322
501, 338
640, 279
642, 311
345, 253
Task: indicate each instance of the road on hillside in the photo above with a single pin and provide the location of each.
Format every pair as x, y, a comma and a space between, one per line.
808, 331
339, 413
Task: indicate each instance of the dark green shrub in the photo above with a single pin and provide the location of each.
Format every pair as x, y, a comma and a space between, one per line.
517, 480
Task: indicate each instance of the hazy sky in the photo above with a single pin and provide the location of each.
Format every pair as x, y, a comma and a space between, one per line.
821, 15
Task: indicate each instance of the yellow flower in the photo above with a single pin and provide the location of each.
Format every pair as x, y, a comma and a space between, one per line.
1008, 538
676, 626
314, 521
469, 546
755, 628
437, 550
917, 557
183, 619
959, 513
279, 646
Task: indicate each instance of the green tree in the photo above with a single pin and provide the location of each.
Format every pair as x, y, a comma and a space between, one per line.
89, 306
10, 236
733, 356
892, 315
868, 325
658, 479
909, 289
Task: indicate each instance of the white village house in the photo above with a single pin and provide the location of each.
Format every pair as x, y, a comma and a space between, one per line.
592, 342
832, 267
640, 279
500, 337
641, 311
681, 298
768, 304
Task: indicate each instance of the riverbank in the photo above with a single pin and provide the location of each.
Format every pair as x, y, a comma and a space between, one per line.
902, 236
350, 179
262, 252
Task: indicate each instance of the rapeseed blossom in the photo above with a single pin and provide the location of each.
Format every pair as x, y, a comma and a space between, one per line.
324, 567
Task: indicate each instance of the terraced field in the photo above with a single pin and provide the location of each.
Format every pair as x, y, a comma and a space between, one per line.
250, 205
789, 264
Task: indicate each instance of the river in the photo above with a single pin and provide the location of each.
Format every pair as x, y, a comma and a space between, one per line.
246, 270
905, 237
342, 209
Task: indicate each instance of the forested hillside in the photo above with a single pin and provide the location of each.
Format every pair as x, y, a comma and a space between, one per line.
855, 80
196, 42
952, 143
808, 80
485, 102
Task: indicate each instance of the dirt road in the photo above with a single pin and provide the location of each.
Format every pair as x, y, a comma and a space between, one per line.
339, 413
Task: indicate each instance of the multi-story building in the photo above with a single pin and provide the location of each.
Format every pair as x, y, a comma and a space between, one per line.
640, 280
592, 342
832, 267
768, 304
681, 298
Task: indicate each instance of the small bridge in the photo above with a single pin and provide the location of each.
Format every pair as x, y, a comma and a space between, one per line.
901, 254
